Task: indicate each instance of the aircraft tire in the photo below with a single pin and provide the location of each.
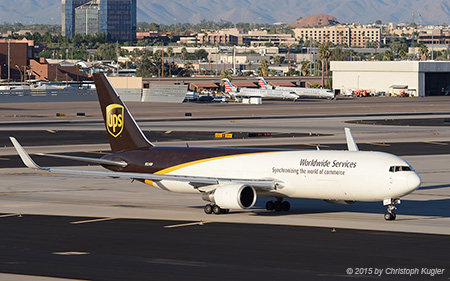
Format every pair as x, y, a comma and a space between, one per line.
286, 206
277, 206
390, 216
269, 205
208, 209
216, 210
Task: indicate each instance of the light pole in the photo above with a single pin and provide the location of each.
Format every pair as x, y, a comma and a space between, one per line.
21, 77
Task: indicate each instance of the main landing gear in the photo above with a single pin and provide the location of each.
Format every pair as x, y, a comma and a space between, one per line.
278, 205
215, 209
390, 214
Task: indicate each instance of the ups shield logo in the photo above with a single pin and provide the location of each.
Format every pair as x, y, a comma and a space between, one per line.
114, 119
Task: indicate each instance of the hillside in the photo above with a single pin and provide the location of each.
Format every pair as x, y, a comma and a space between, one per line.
259, 11
315, 21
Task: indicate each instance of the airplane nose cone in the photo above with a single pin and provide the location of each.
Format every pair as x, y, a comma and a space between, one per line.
414, 181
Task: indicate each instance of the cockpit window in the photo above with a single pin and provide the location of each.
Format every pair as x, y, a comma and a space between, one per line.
394, 169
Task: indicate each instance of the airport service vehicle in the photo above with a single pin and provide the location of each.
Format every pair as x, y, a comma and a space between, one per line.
221, 99
300, 92
257, 92
233, 178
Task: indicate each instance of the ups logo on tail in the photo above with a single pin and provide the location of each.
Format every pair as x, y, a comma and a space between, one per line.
114, 119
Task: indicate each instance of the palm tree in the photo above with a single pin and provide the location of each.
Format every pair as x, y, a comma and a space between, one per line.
423, 50
324, 54
169, 54
305, 66
263, 68
402, 53
225, 74
388, 55
183, 53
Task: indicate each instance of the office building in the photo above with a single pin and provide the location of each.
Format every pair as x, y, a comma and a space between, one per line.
115, 18
87, 19
352, 36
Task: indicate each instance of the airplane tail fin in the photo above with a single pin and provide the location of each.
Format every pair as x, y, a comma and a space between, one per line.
123, 131
228, 86
262, 83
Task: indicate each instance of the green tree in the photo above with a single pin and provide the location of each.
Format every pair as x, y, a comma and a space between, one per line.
423, 50
388, 55
402, 53
263, 68
292, 72
305, 67
183, 53
225, 75
324, 55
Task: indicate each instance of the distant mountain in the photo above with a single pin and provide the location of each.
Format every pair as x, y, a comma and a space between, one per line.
258, 11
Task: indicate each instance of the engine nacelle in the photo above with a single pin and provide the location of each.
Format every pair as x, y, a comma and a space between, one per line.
232, 196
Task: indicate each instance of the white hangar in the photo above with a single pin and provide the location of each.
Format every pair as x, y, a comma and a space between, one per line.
418, 78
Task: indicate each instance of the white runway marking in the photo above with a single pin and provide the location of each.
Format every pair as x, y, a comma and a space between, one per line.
10, 215
187, 224
435, 142
21, 277
380, 144
94, 220
70, 253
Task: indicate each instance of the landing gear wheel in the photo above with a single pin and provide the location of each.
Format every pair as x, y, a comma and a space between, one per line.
225, 211
390, 216
277, 206
269, 205
286, 206
217, 210
208, 209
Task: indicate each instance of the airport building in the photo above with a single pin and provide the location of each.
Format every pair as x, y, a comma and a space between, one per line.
14, 57
115, 18
417, 78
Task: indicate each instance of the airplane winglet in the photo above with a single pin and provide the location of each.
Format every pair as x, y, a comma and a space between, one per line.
351, 144
26, 159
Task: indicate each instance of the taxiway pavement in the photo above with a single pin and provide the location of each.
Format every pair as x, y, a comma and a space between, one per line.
423, 215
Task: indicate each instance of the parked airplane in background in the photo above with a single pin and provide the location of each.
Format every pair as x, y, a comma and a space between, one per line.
257, 92
301, 92
233, 178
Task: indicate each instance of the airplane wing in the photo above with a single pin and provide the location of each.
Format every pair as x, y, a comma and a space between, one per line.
351, 143
86, 159
195, 181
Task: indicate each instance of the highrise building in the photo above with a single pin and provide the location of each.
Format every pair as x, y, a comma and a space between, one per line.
115, 18
87, 19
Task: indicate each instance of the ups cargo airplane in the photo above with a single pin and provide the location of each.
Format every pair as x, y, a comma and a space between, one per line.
232, 178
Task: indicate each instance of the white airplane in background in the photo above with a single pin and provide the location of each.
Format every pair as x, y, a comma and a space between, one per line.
257, 92
233, 178
301, 92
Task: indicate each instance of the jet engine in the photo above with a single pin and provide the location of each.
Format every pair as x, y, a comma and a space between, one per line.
232, 196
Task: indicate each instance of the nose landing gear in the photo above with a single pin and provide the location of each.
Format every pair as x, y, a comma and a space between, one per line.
390, 215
